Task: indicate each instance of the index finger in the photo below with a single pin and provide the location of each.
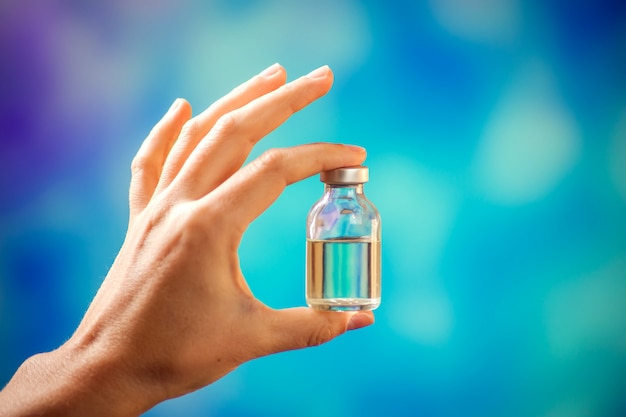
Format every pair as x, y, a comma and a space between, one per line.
252, 189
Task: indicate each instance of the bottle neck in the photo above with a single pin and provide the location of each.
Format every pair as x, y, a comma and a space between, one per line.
344, 190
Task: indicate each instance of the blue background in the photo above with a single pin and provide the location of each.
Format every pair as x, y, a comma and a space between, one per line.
496, 132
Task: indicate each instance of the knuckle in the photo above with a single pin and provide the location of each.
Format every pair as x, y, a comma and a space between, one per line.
295, 97
320, 336
225, 125
190, 128
272, 160
301, 94
187, 231
139, 164
289, 88
238, 91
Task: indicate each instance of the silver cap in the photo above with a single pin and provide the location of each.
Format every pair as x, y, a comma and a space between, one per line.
348, 175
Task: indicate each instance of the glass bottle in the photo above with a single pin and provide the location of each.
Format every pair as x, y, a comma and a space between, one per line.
343, 245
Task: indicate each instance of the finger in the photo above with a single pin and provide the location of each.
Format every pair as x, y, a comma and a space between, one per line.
252, 189
301, 327
229, 143
147, 164
193, 131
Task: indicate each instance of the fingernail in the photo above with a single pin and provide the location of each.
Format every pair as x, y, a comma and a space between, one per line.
271, 70
320, 72
175, 104
360, 320
355, 148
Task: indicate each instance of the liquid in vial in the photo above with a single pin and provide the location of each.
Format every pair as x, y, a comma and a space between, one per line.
343, 274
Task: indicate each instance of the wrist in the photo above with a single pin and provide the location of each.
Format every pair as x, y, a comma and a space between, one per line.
77, 380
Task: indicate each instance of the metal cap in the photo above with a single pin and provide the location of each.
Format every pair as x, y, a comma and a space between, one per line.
348, 175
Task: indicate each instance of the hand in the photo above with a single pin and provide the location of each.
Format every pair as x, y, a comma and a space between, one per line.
175, 312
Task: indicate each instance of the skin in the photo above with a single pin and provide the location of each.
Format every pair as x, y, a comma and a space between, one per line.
175, 313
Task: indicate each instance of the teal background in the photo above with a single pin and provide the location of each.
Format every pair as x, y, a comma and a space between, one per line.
496, 133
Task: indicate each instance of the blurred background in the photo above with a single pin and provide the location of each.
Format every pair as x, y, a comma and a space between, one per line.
496, 135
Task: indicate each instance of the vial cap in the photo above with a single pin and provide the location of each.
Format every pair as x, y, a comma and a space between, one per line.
347, 175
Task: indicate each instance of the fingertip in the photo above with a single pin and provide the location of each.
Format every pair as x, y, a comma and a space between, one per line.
184, 107
359, 150
321, 72
360, 320
300, 327
175, 105
357, 154
275, 74
179, 106
323, 75
271, 70
331, 75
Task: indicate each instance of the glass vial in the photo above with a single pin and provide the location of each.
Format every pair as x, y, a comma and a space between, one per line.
343, 245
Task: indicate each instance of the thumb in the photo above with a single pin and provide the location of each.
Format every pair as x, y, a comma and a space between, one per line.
301, 327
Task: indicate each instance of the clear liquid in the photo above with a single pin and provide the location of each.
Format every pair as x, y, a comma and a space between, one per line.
343, 274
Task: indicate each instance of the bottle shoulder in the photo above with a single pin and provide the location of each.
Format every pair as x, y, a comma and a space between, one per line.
356, 205
343, 216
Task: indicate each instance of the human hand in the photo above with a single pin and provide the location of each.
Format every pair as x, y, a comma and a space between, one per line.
175, 312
